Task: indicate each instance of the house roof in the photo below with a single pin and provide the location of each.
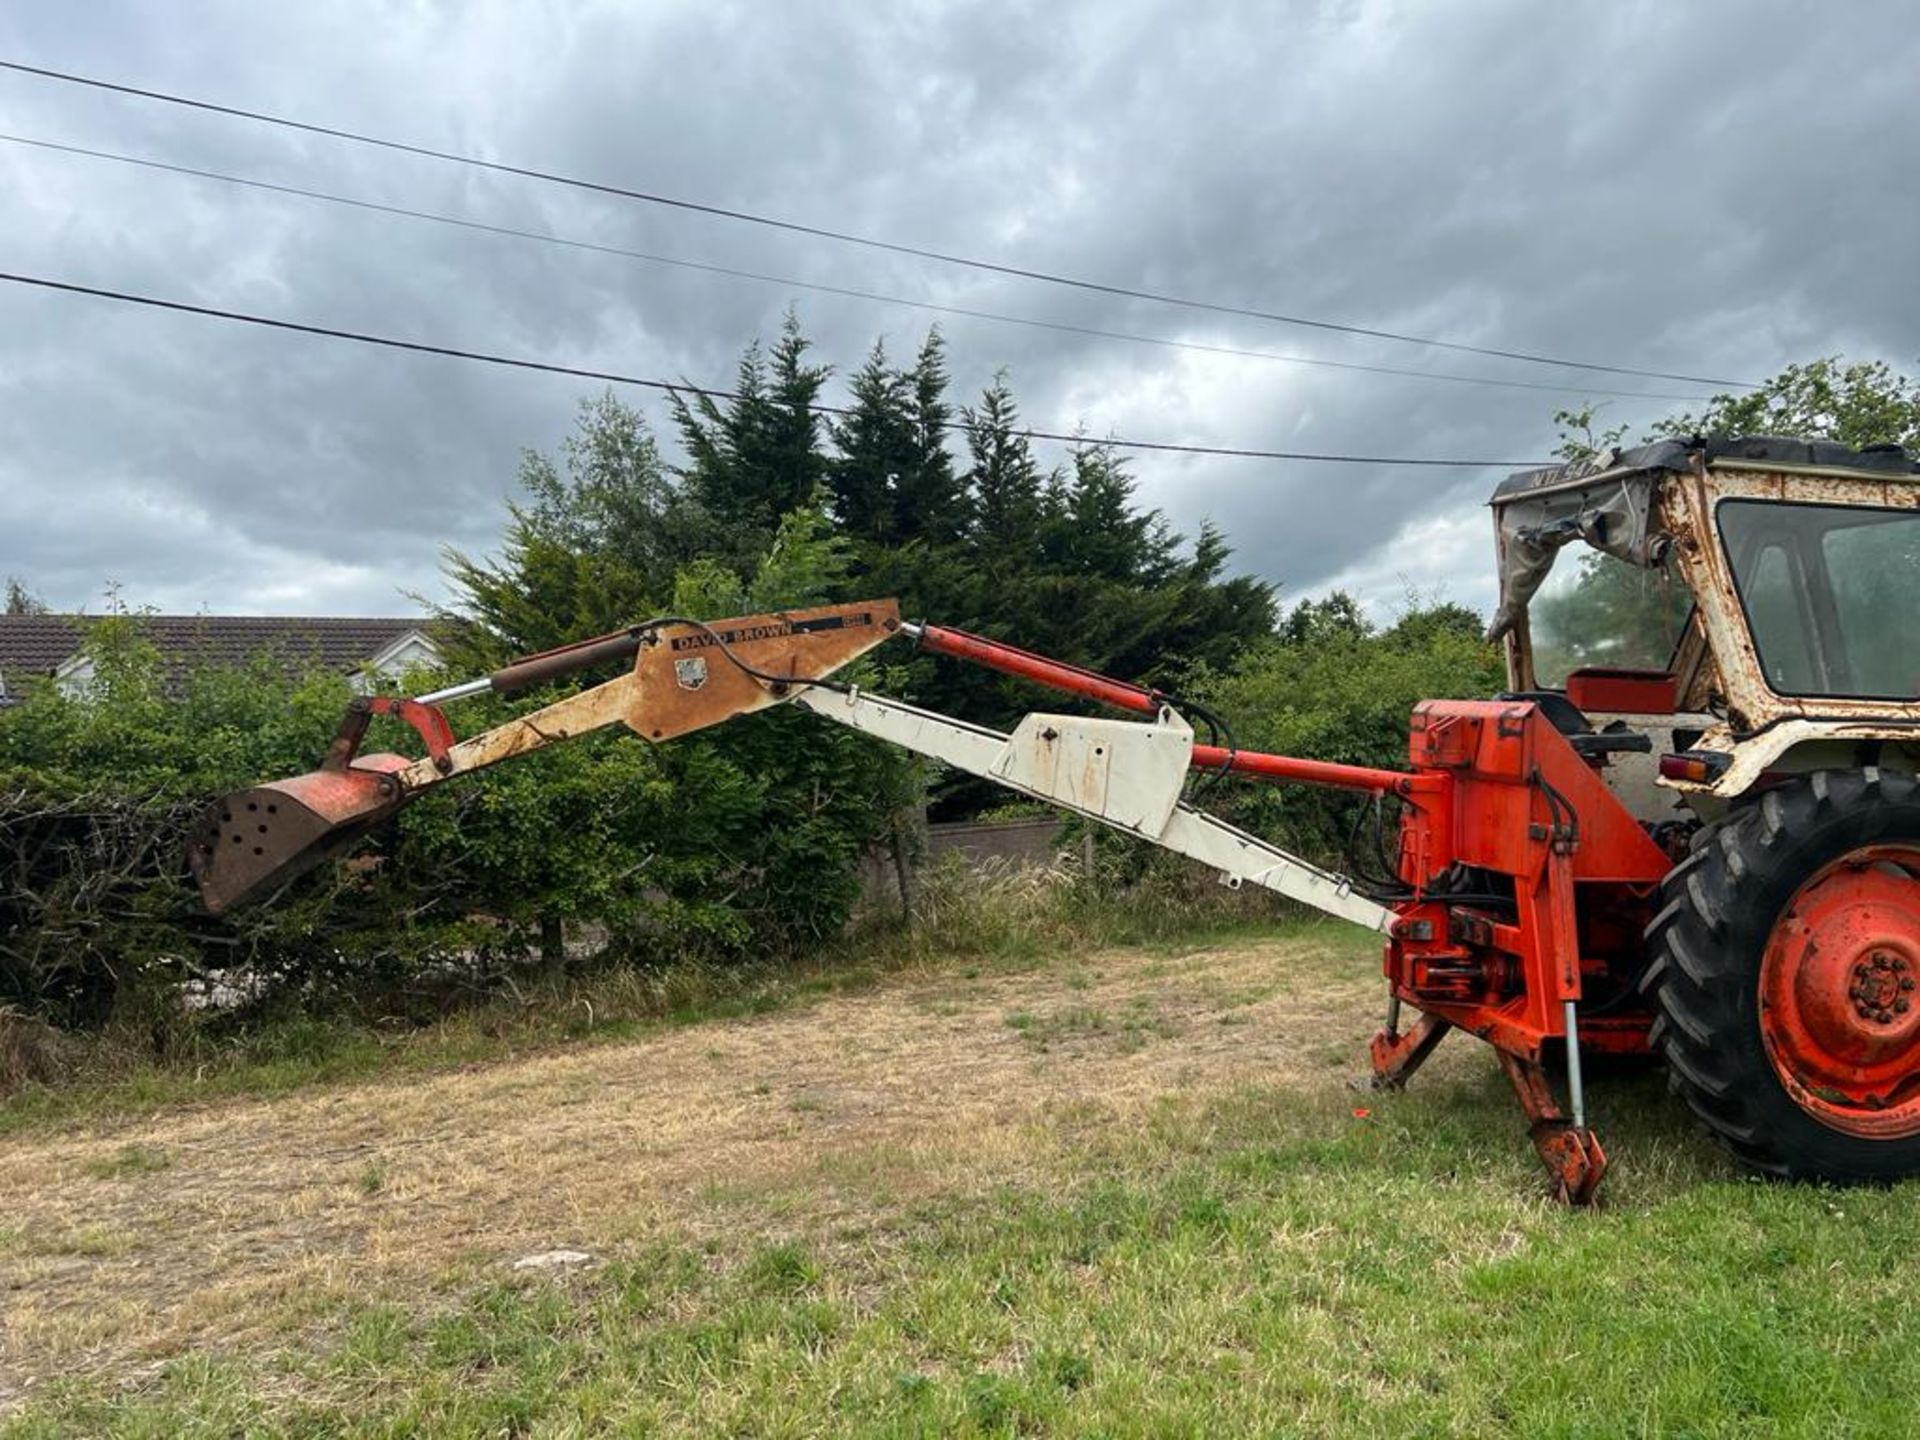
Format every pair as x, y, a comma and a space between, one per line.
40, 644
36, 644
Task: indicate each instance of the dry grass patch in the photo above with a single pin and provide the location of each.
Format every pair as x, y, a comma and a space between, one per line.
897, 1214
238, 1223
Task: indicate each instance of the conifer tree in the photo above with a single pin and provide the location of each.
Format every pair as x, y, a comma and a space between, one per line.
876, 445
931, 500
756, 457
1005, 482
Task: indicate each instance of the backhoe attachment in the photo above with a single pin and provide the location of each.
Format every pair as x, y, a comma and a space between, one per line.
1499, 958
690, 674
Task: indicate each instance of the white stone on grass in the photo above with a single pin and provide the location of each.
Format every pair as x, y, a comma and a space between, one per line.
553, 1260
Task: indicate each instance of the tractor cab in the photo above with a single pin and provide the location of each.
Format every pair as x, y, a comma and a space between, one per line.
1744, 603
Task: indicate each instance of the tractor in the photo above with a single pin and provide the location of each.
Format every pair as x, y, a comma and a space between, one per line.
1688, 830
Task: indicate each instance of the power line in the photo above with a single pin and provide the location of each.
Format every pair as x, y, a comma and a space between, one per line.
846, 237
676, 388
595, 247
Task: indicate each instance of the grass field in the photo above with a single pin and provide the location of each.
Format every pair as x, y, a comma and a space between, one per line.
1117, 1193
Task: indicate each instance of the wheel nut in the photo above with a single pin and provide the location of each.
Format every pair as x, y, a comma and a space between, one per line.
1900, 1007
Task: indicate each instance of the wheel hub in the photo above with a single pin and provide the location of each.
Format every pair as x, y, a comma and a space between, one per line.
1882, 987
1837, 992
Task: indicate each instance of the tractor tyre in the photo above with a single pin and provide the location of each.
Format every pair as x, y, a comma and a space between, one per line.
1783, 972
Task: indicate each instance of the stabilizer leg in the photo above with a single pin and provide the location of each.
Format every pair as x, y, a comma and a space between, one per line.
1572, 1154
1396, 1057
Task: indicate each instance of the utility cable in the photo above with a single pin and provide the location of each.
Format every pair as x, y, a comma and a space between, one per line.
848, 237
675, 388
709, 268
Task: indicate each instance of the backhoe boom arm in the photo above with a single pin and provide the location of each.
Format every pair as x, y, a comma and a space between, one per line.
688, 675
1125, 774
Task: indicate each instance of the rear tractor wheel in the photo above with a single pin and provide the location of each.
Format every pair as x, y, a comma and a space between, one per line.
1785, 977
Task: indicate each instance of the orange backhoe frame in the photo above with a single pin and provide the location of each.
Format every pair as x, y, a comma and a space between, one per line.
1565, 880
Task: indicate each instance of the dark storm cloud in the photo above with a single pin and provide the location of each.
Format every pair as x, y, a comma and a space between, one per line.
1700, 190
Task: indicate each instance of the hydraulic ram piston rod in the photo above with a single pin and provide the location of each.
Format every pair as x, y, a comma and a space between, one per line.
1073, 680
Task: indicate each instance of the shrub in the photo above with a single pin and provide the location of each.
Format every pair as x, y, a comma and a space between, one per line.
1333, 686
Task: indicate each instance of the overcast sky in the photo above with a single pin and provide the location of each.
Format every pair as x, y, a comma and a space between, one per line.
1714, 189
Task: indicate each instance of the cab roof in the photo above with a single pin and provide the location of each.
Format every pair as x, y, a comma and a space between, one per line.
1677, 455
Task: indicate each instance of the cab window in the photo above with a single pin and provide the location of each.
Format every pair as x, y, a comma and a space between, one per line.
1829, 593
1606, 612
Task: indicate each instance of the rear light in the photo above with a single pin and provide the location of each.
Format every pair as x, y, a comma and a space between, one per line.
1695, 767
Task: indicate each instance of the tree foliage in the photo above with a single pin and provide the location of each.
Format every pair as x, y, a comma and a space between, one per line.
756, 457
1331, 684
598, 535
760, 824
1861, 404
19, 600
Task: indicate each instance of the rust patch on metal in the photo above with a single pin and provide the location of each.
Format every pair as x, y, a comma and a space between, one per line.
1687, 510
688, 677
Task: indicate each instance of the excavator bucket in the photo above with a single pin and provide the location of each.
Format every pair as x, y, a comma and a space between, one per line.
255, 841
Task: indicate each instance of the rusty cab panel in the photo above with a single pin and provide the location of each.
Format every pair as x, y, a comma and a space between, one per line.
1794, 560
1773, 606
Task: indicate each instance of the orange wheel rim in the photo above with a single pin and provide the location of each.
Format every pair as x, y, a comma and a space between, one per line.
1840, 994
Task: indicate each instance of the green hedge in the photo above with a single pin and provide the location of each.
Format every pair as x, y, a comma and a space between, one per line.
745, 840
